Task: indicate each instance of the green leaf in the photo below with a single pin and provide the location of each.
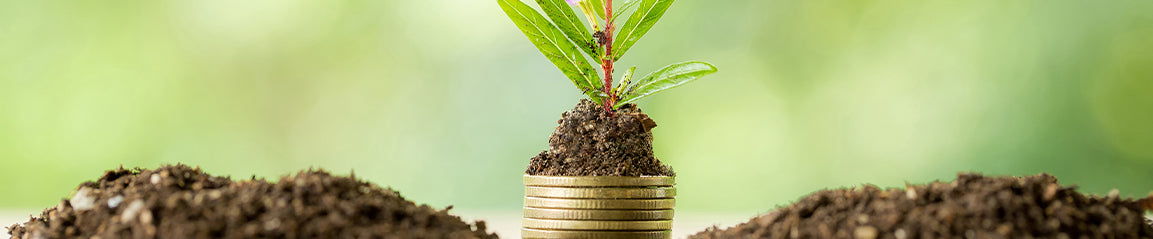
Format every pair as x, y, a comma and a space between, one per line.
625, 82
551, 42
638, 24
597, 95
671, 76
629, 5
599, 8
568, 22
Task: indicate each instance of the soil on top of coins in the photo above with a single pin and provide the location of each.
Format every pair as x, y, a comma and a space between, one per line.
972, 206
591, 142
183, 202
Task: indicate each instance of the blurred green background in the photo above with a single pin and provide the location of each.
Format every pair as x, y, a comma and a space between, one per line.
446, 100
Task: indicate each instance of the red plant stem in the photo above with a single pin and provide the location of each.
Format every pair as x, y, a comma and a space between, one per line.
607, 62
1146, 203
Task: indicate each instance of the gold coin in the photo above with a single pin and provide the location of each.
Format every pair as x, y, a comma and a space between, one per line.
536, 202
616, 193
597, 225
606, 215
537, 233
598, 181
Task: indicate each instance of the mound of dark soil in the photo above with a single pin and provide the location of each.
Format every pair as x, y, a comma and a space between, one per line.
182, 202
590, 142
973, 206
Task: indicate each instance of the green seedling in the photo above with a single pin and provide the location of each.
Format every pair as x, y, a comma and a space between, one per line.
565, 40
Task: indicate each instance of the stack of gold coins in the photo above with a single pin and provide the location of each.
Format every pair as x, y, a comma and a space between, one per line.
598, 207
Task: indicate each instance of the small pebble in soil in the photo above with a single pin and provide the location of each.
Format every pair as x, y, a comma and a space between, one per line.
82, 200
115, 201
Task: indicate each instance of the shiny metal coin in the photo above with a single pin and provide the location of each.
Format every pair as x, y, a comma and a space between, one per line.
613, 193
597, 225
598, 181
537, 233
603, 215
639, 204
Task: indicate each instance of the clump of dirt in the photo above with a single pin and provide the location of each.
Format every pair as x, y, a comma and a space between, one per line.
973, 206
183, 202
590, 142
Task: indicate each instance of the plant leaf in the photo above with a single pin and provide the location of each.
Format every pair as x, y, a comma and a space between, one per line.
625, 82
600, 95
668, 77
568, 22
599, 8
624, 8
552, 43
638, 24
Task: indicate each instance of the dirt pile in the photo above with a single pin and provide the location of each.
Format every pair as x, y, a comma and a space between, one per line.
973, 206
590, 142
183, 202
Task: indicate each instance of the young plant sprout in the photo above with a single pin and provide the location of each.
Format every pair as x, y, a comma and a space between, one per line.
566, 41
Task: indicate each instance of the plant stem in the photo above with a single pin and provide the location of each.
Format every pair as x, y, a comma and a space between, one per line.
1146, 203
607, 62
